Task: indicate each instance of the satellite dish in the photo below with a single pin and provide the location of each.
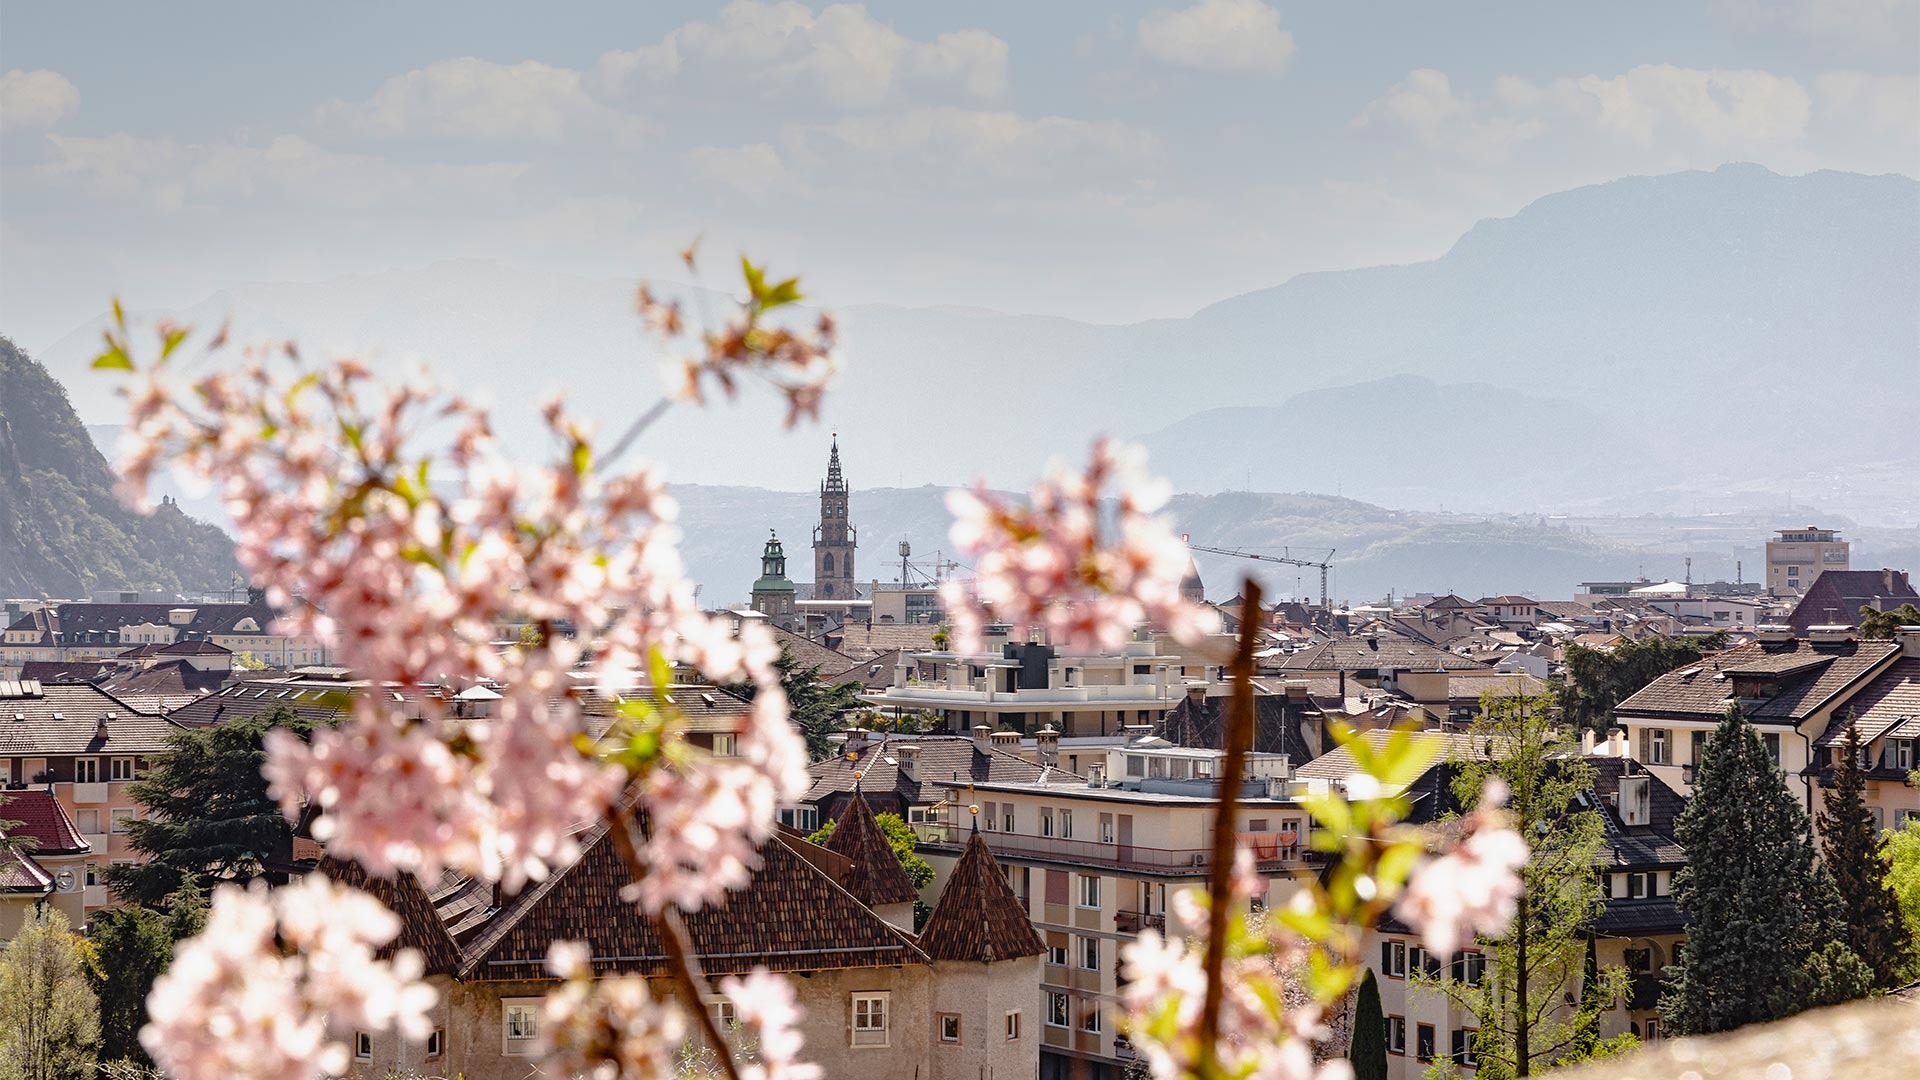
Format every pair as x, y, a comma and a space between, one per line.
64, 879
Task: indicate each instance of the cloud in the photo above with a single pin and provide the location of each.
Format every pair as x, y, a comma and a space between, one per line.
35, 99
472, 99
1875, 26
949, 145
1877, 104
1219, 35
755, 171
169, 175
842, 54
1425, 105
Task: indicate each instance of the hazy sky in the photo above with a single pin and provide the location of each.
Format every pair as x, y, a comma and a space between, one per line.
1113, 161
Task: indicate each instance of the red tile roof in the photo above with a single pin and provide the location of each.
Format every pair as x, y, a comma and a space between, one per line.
44, 820
876, 876
978, 916
19, 873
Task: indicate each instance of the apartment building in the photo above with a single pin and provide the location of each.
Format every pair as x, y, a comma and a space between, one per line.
1800, 556
1028, 685
80, 631
1093, 861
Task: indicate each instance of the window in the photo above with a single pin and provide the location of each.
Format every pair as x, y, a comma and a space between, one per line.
120, 768
86, 770
1090, 953
1653, 1030
1066, 824
1057, 887
804, 818
1469, 967
1393, 959
917, 815
1422, 962
1057, 1014
949, 1027
725, 1016
1463, 1048
362, 1046
1699, 749
1046, 821
88, 821
95, 876
1057, 955
869, 1020
1006, 818
521, 1025
1423, 1042
1636, 886
1396, 1035
990, 814
1902, 753
1653, 746
1136, 765
1773, 747
1013, 1025
436, 1043
723, 744
120, 819
1090, 1017
1089, 891
1106, 828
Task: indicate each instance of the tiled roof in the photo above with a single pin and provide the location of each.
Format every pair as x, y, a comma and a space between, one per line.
864, 641
1361, 654
20, 873
1450, 602
942, 757
873, 674
876, 876
1646, 845
1505, 683
790, 916
810, 653
47, 671
77, 624
1565, 609
44, 821
703, 708
64, 719
1836, 597
1640, 918
1805, 673
420, 926
978, 918
1804, 697
1889, 704
193, 648
1507, 601
163, 687
1338, 763
1202, 723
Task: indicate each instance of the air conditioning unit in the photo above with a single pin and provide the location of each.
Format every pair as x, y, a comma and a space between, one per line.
1199, 858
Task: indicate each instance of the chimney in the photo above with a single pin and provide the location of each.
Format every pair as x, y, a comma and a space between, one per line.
1096, 776
981, 737
1343, 686
1296, 689
1909, 639
1586, 740
1617, 742
856, 740
1047, 746
100, 726
909, 755
1636, 801
1008, 741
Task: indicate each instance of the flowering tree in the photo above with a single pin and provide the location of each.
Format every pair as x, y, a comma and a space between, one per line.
385, 520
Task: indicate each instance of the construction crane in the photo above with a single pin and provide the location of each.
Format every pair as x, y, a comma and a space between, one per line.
1286, 558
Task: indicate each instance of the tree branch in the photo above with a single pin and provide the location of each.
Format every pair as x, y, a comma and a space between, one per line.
1239, 737
672, 929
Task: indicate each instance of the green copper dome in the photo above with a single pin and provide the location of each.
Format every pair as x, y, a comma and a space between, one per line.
773, 568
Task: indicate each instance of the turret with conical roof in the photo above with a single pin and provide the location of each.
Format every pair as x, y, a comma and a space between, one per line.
876, 879
978, 916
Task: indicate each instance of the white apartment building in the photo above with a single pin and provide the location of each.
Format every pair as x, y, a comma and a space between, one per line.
1028, 685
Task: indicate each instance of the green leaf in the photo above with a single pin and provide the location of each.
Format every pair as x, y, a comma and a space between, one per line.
172, 341
582, 458
756, 278
786, 292
114, 359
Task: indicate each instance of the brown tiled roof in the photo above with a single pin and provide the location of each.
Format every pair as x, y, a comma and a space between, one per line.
47, 671
873, 674
790, 916
19, 873
1361, 654
1450, 602
942, 758
1200, 723
245, 699
1804, 697
978, 917
810, 653
1836, 597
1338, 763
863, 641
1806, 673
1889, 704
1504, 683
704, 708
876, 876
163, 687
63, 719
43, 820
420, 926
1507, 601
81, 624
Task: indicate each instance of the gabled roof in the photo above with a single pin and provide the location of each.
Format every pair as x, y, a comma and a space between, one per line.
942, 758
43, 820
1509, 600
863, 641
1836, 597
1805, 675
1626, 845
810, 653
875, 673
876, 876
64, 718
790, 916
1389, 652
978, 917
1888, 705
420, 927
1201, 723
1450, 602
80, 624
193, 648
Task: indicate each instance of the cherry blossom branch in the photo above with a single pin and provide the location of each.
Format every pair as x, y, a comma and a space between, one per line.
1239, 737
672, 930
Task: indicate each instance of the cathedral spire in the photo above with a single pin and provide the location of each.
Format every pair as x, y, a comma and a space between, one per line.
835, 482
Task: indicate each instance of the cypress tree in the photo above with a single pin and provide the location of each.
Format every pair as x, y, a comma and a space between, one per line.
1368, 1054
1751, 891
1593, 1002
1871, 923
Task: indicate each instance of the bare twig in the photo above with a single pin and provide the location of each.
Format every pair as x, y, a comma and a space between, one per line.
672, 929
640, 424
1239, 738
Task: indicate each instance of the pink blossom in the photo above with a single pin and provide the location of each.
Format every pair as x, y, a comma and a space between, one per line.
1473, 889
606, 1029
764, 1005
1049, 562
260, 991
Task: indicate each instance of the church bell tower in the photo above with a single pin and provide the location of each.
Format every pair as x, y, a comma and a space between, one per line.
834, 538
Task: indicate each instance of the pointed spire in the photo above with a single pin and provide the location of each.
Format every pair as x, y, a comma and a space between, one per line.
978, 916
877, 877
835, 481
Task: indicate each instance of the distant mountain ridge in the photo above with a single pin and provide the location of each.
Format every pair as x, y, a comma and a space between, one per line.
63, 532
1758, 328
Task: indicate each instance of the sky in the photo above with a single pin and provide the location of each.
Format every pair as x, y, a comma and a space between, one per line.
1104, 161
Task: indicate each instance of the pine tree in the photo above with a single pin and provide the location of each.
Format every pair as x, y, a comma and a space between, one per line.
1517, 996
1850, 848
134, 948
49, 1017
1368, 1054
1753, 896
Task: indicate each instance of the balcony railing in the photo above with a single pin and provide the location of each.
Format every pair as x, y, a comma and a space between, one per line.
1132, 922
1194, 862
978, 693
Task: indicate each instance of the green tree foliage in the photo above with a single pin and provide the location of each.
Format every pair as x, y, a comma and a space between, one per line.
1902, 850
1875, 623
209, 816
1597, 680
1519, 998
815, 706
1760, 910
49, 1017
1870, 919
1368, 1054
900, 838
134, 947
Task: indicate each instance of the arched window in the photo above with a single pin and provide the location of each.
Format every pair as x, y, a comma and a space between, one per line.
826, 567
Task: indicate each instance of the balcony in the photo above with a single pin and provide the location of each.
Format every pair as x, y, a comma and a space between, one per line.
1171, 862
90, 793
1132, 922
979, 693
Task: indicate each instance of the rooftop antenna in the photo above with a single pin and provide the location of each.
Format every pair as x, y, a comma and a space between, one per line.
1689, 569
906, 549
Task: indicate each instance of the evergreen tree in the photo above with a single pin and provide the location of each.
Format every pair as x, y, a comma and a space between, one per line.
1517, 995
134, 947
209, 817
1368, 1053
1586, 1039
1871, 923
1757, 908
49, 1017
813, 705
1875, 623
1599, 679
